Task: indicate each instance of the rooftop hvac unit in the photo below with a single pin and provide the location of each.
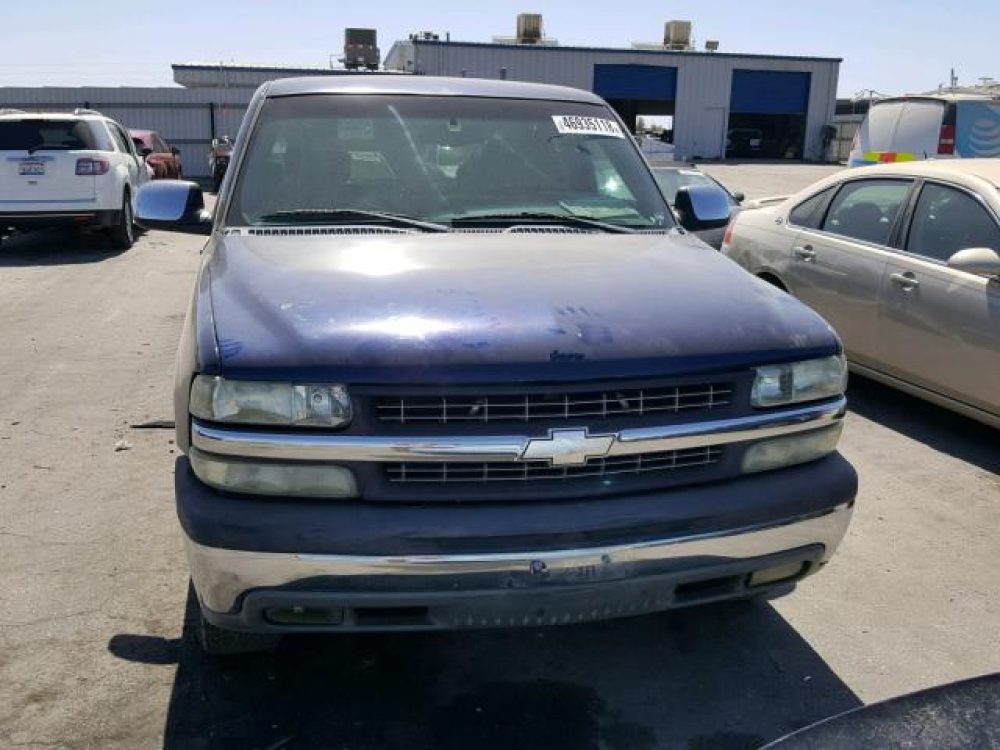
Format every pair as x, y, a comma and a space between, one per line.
711, 45
677, 35
529, 28
425, 36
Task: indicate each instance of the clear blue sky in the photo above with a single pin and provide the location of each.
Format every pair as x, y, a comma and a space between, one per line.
893, 46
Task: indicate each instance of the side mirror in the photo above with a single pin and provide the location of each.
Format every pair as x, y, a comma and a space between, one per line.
978, 260
739, 197
702, 207
175, 151
145, 151
172, 205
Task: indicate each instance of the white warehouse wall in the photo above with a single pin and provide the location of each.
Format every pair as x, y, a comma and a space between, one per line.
704, 80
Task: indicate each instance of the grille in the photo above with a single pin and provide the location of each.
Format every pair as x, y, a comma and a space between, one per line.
543, 229
377, 229
357, 229
531, 407
448, 473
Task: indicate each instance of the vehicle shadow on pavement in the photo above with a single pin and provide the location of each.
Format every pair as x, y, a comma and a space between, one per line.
55, 248
943, 430
722, 677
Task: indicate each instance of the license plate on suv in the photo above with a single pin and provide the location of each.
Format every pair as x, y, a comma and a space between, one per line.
31, 168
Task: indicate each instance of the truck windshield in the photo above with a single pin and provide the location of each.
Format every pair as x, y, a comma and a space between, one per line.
445, 160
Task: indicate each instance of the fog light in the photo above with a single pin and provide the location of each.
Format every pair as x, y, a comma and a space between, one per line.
791, 450
778, 573
305, 615
259, 478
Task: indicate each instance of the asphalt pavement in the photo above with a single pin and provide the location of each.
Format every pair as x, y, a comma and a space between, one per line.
97, 648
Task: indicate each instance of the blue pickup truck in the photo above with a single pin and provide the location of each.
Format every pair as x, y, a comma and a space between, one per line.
452, 361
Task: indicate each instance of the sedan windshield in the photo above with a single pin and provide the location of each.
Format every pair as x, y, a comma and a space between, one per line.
465, 161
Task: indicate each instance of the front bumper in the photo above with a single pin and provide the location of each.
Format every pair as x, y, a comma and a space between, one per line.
386, 567
265, 592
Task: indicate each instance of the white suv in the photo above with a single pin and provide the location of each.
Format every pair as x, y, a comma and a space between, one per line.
77, 170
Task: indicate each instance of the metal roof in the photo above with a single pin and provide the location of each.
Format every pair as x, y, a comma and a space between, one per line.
623, 50
363, 83
251, 68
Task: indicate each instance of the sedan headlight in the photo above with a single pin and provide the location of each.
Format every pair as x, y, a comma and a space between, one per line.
811, 380
262, 403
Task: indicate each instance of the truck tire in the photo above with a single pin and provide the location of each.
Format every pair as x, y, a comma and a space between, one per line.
123, 232
216, 641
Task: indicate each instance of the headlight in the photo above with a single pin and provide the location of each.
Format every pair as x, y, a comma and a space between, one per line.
791, 383
790, 450
251, 402
275, 479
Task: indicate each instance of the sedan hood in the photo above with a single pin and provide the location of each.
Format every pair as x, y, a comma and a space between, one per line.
438, 308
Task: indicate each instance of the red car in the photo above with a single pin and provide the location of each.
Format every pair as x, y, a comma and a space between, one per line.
164, 160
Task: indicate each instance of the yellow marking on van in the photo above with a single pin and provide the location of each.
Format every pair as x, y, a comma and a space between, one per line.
887, 157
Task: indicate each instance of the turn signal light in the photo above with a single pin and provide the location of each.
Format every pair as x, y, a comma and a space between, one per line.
727, 238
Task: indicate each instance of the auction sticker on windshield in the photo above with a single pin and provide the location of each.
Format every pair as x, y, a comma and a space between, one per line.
577, 125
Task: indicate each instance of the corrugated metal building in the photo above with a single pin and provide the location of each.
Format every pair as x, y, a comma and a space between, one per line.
788, 100
202, 75
186, 118
212, 103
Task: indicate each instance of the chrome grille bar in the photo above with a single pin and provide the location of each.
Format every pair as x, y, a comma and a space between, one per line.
311, 446
451, 473
530, 407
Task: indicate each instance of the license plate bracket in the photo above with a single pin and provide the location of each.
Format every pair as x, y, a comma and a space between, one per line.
31, 169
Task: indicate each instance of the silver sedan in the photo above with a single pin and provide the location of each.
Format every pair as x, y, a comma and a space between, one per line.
904, 261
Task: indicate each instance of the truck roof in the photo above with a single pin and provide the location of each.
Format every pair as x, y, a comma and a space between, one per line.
414, 85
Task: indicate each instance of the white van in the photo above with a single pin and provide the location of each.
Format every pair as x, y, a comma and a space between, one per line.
909, 128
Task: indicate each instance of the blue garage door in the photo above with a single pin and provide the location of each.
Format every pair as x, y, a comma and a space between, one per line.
769, 92
651, 82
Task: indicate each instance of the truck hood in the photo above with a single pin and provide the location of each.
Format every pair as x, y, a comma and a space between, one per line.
439, 308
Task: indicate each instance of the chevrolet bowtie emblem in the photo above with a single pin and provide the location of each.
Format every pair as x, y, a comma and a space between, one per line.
568, 447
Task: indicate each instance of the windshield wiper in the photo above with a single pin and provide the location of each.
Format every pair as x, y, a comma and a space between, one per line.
547, 216
350, 215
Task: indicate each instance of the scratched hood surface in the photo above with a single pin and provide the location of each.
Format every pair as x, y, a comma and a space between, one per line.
495, 307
